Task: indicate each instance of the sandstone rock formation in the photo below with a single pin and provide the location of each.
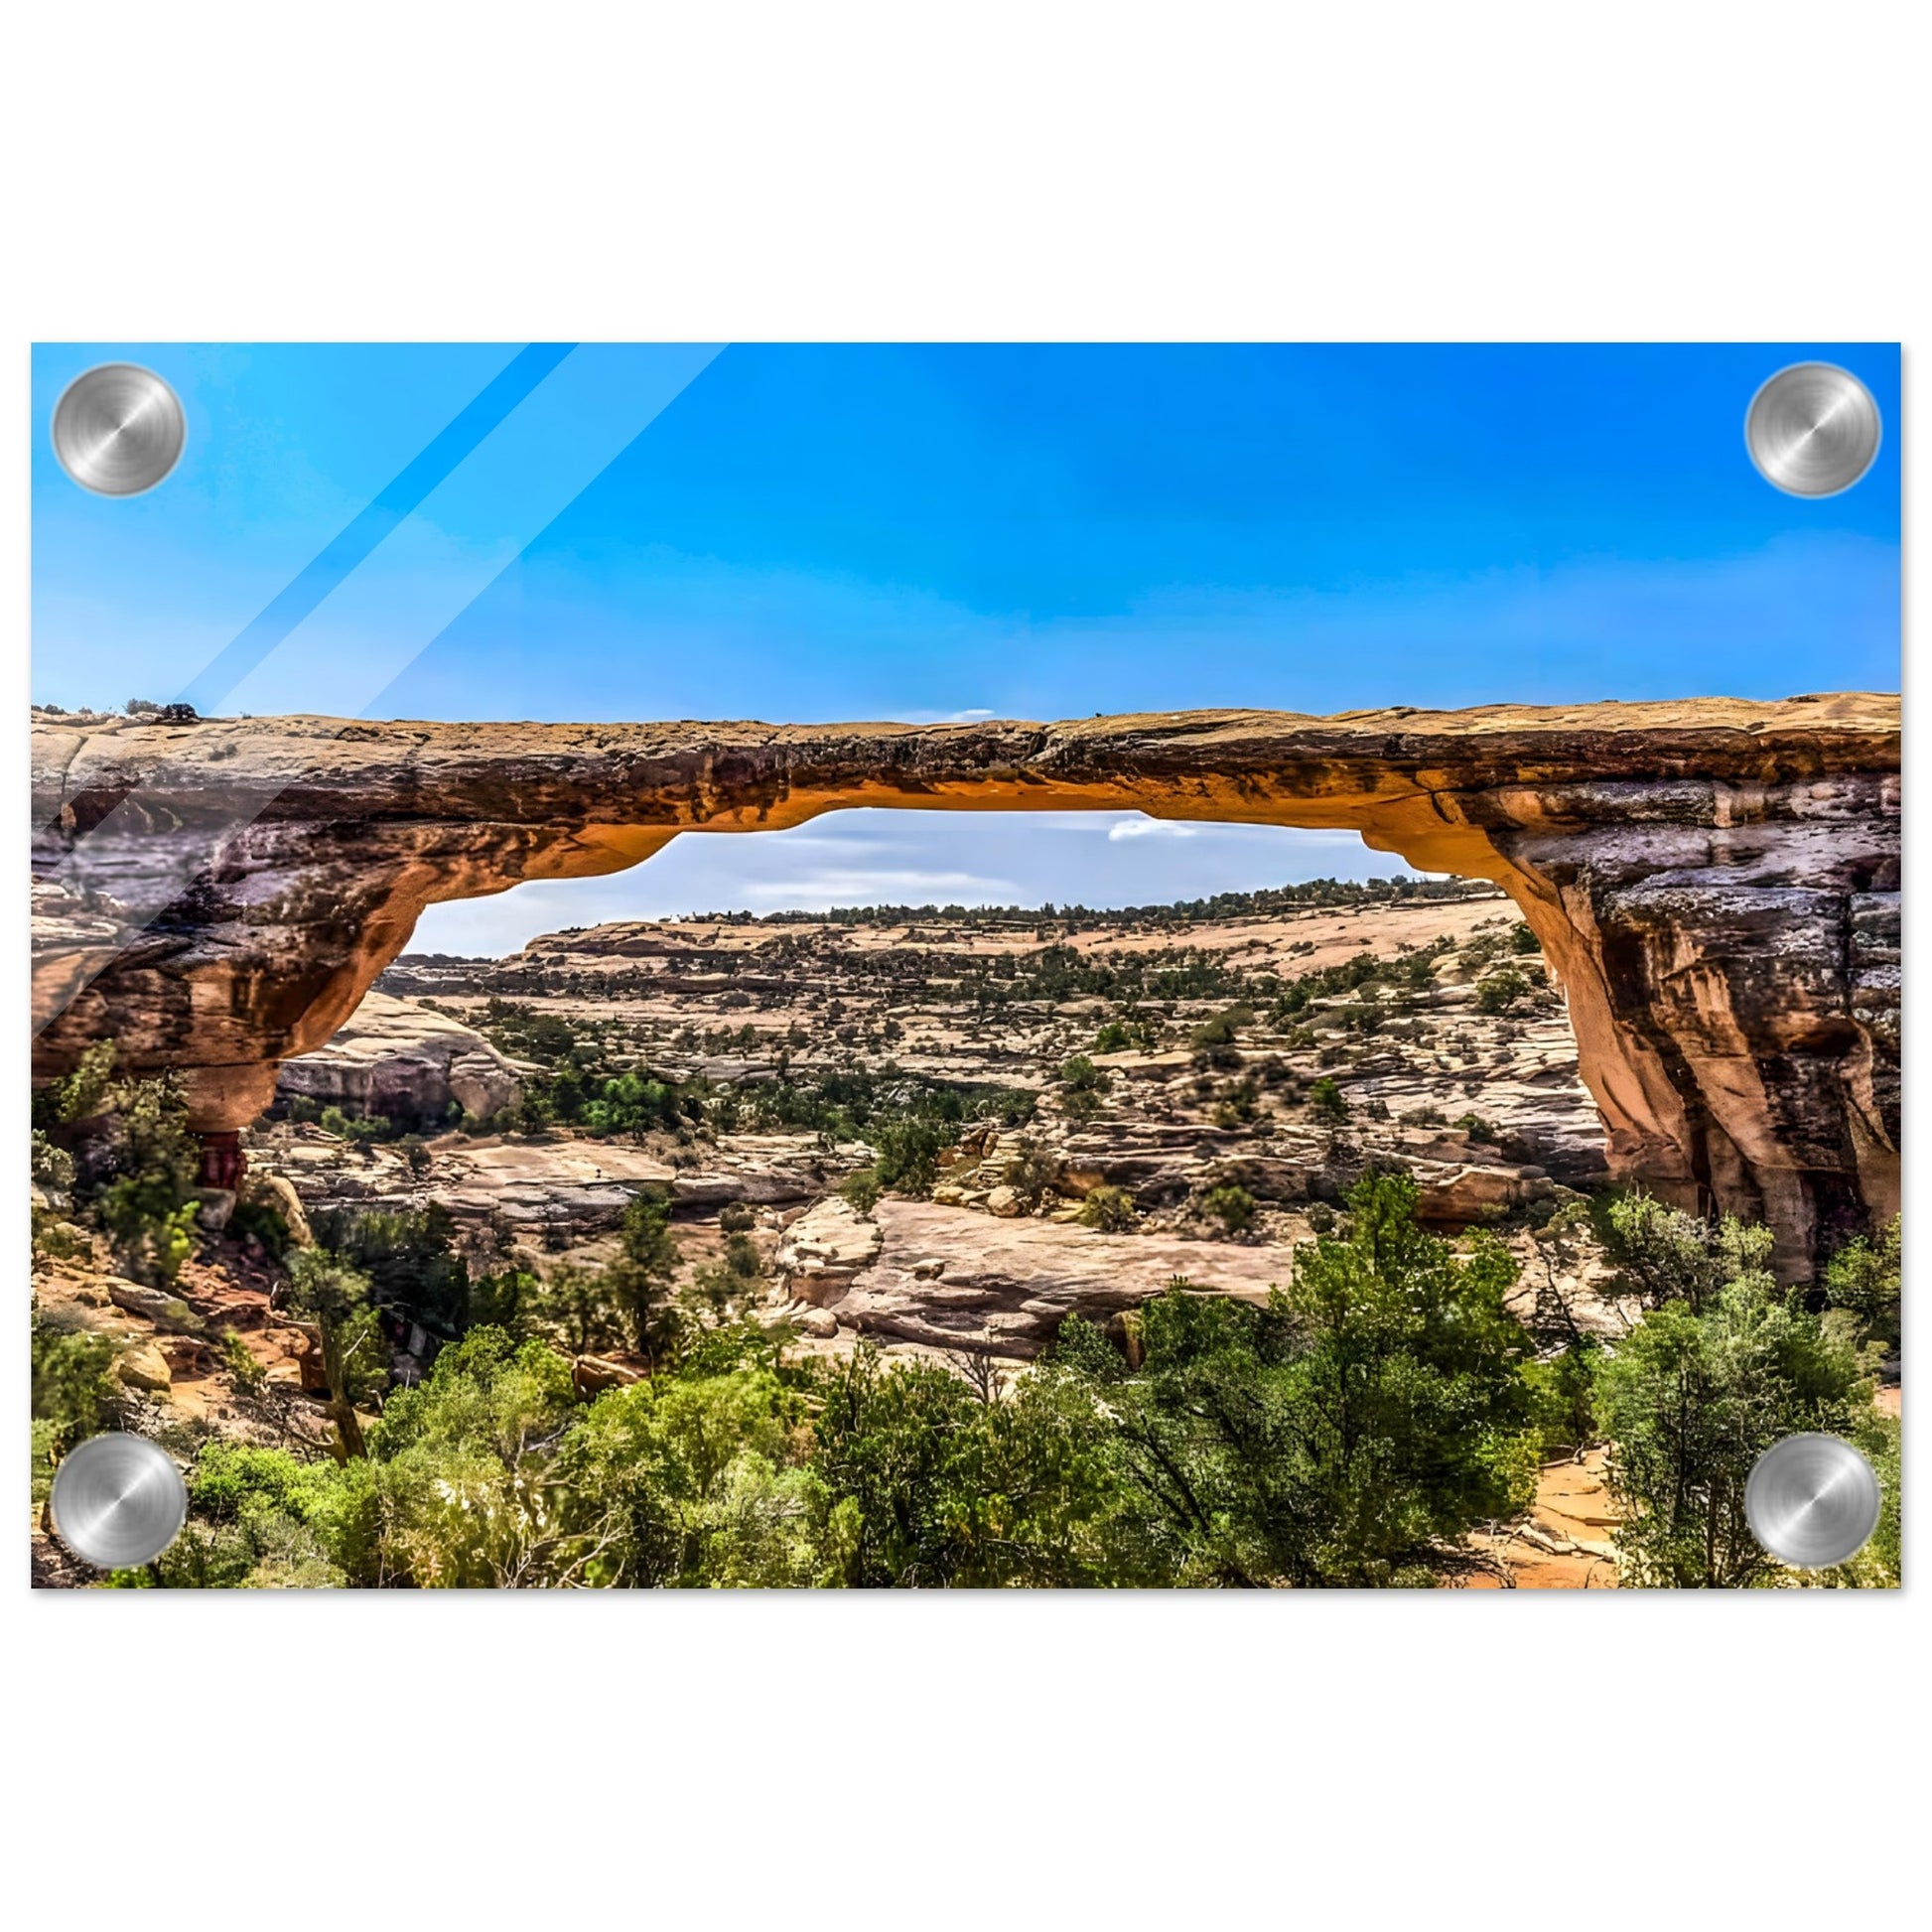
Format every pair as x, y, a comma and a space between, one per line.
951, 1279
399, 1060
1714, 881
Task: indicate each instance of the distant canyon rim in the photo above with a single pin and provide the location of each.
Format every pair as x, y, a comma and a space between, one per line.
1714, 881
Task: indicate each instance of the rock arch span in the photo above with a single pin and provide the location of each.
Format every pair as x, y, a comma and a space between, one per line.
1714, 881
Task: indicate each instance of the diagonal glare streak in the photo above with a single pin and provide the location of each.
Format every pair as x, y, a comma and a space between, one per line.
103, 895
400, 498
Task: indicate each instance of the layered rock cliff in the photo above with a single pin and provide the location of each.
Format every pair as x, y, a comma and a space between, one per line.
1714, 881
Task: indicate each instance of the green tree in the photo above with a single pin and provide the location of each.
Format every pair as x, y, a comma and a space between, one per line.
580, 1307
908, 1155
1694, 1396
640, 1278
859, 1189
693, 1480
1864, 1278
73, 1392
409, 1257
354, 1356
464, 1469
929, 1485
1376, 1409
1666, 1254
147, 1161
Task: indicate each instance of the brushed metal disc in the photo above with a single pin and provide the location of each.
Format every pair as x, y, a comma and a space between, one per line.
1812, 1501
1813, 429
118, 429
118, 1500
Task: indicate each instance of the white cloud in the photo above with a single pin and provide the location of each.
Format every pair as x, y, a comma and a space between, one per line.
867, 885
1148, 828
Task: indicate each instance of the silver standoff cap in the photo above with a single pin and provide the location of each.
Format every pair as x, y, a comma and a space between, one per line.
118, 429
118, 1500
1812, 1501
1813, 429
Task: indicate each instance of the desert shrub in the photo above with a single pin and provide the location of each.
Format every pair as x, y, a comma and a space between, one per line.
736, 1217
1110, 1210
1113, 1037
859, 1189
75, 1394
1034, 1172
78, 1096
1477, 1128
262, 1518
248, 1376
1523, 941
1080, 1076
1500, 991
908, 1155
1233, 1206
1326, 1100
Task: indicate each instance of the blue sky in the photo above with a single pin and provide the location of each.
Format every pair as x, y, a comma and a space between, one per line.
814, 533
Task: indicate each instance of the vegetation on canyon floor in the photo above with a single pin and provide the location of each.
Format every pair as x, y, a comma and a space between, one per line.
1380, 1406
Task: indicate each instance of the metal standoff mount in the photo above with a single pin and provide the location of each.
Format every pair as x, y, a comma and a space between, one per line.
1813, 1501
118, 1500
118, 429
1813, 429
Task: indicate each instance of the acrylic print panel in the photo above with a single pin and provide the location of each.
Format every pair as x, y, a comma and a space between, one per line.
684, 965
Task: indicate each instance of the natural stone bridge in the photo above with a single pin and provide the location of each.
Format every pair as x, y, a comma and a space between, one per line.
1715, 883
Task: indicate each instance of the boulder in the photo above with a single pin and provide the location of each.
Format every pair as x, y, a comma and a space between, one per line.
948, 1278
154, 1305
261, 1188
1464, 1194
824, 1249
143, 1366
398, 1060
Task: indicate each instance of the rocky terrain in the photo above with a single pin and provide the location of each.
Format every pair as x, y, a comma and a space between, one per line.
1217, 1130
1713, 883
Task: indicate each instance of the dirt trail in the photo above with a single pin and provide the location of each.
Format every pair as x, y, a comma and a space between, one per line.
1564, 1542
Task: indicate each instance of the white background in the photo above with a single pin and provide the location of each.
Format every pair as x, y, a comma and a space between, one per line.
578, 171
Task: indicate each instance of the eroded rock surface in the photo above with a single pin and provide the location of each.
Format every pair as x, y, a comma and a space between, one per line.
951, 1279
399, 1060
1714, 881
